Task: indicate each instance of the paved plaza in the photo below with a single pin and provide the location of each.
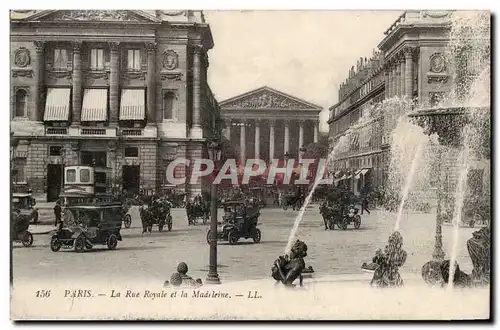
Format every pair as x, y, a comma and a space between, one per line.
153, 257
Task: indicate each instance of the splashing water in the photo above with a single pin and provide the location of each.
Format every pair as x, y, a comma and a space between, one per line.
406, 188
459, 203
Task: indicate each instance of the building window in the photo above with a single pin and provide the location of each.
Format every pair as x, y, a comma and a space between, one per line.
168, 105
134, 59
85, 175
55, 150
60, 58
97, 59
93, 158
21, 102
71, 176
131, 152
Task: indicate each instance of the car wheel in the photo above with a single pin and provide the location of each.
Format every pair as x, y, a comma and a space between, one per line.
27, 239
233, 238
127, 220
55, 244
79, 245
112, 242
208, 236
257, 235
357, 221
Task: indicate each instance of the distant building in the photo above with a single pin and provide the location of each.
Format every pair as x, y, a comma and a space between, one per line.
266, 123
124, 90
411, 64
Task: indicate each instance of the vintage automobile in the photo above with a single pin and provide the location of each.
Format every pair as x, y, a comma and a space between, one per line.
239, 221
19, 228
292, 200
350, 216
25, 204
84, 226
157, 213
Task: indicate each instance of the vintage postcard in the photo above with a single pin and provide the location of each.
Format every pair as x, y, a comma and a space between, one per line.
250, 165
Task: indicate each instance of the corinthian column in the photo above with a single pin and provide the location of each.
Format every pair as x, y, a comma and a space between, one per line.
397, 80
243, 141
271, 139
196, 131
386, 82
388, 87
114, 83
76, 100
402, 77
287, 136
38, 70
301, 133
316, 123
394, 78
257, 138
228, 129
151, 84
409, 72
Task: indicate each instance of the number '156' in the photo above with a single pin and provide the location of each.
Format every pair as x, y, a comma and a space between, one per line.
43, 293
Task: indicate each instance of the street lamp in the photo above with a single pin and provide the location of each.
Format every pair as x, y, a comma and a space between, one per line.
215, 154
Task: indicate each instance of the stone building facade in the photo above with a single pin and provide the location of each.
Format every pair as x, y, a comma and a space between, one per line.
410, 65
267, 124
123, 90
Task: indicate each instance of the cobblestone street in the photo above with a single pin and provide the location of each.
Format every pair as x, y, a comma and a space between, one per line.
155, 256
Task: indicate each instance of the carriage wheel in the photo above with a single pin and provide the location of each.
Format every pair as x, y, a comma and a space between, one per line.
257, 235
127, 220
27, 239
232, 238
79, 244
357, 221
112, 242
55, 244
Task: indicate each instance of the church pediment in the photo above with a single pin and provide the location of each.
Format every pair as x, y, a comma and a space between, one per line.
94, 16
267, 98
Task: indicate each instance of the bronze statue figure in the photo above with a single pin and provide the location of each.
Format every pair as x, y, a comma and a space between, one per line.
388, 262
288, 268
479, 248
460, 279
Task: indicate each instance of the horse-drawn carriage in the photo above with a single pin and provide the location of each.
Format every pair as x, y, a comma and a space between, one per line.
334, 214
20, 228
196, 210
294, 200
239, 221
84, 226
157, 213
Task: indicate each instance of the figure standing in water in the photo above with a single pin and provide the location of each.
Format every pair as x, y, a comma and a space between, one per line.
389, 261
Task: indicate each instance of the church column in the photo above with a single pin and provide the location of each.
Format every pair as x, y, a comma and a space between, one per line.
39, 71
287, 136
409, 72
257, 138
228, 129
393, 81
397, 80
151, 84
114, 83
77, 83
301, 134
271, 139
316, 123
402, 85
196, 127
242, 141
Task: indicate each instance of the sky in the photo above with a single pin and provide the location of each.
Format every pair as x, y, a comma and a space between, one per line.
303, 53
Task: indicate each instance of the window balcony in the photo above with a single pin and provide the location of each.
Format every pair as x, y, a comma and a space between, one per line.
95, 132
146, 132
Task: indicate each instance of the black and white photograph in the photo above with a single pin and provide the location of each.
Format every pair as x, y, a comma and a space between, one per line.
250, 164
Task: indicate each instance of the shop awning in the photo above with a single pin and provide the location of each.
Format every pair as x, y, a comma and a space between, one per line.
132, 105
57, 104
95, 105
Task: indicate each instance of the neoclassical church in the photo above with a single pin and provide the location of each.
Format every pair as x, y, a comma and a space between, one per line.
266, 123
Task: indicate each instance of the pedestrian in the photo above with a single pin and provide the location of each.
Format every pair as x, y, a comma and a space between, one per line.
364, 204
57, 212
